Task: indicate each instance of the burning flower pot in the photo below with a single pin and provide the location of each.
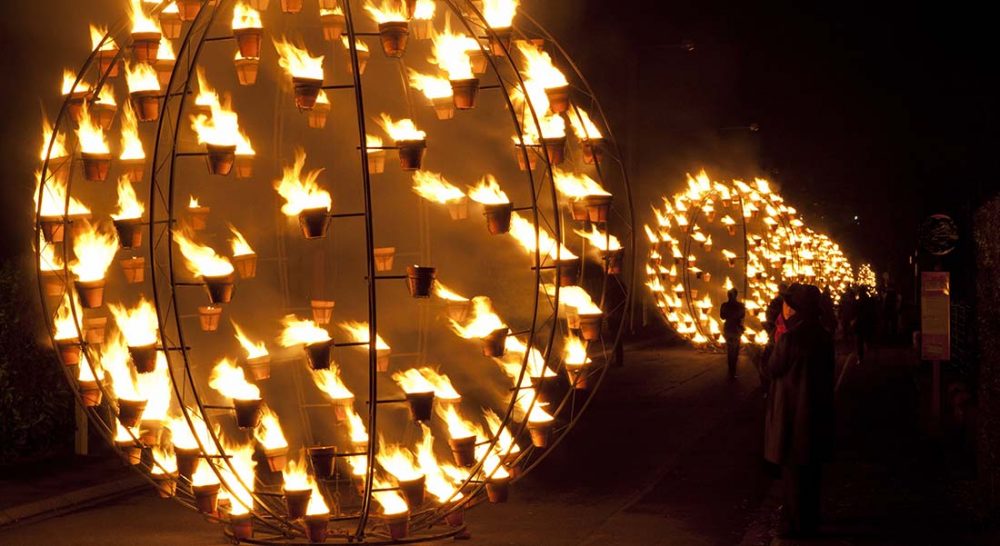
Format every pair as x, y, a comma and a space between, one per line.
188, 9
246, 70
91, 293
246, 265
458, 209
129, 232
382, 360
322, 311
248, 40
306, 92
376, 161
421, 406
150, 432
526, 158
495, 343
90, 393
319, 354
133, 168
413, 491
464, 93
145, 46
411, 154
241, 525
96, 166
170, 25
593, 151
558, 98
209, 317
129, 411
478, 61
247, 412
107, 64
318, 115
420, 279
244, 166
569, 271
93, 329
333, 25
322, 461
259, 367
498, 489
53, 229
316, 527
146, 105
187, 461
498, 217
598, 207
420, 29
276, 458
541, 433
104, 114
220, 288
69, 351
458, 310
500, 40
314, 222
398, 525
613, 261
206, 497
134, 270
394, 36
131, 450
143, 357
363, 56
221, 159
463, 450
577, 210
296, 502
577, 376
444, 107
555, 149
166, 484
384, 258
198, 217
291, 6
590, 326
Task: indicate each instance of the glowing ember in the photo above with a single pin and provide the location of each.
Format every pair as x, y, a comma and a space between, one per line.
484, 320
301, 192
229, 380
94, 251
202, 260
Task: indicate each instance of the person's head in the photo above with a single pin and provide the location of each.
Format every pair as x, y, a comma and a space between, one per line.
801, 299
733, 293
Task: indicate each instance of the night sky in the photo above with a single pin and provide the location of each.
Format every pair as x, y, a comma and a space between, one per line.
881, 112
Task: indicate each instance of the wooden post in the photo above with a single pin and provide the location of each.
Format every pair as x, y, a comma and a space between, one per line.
81, 443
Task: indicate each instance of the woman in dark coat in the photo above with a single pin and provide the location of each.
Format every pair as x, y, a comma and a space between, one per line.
799, 427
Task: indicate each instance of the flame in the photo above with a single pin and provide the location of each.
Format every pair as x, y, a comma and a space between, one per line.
576, 297
458, 427
329, 381
583, 127
253, 349
424, 10
166, 51
245, 16
451, 53
524, 233
437, 479
297, 62
124, 435
155, 387
183, 435
139, 324
443, 389
356, 427
603, 241
386, 11
398, 461
239, 481
106, 96
58, 147
538, 66
297, 332
403, 129
54, 202
389, 499
527, 403
445, 293
207, 96
140, 21
373, 141
488, 192
358, 333
239, 243
505, 441
433, 87
358, 44
433, 187
93, 250
129, 206
114, 360
204, 475
412, 381
317, 504
576, 186
65, 327
483, 322
47, 256
70, 85
131, 144
141, 77
300, 192
575, 351
202, 260
536, 362
193, 202
91, 135
229, 380
492, 465
268, 431
164, 459
97, 35
222, 128
296, 477
500, 13
552, 127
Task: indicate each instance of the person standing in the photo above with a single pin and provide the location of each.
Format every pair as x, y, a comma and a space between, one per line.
774, 326
732, 313
799, 425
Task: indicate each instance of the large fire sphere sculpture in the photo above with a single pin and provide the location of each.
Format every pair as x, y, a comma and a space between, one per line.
715, 236
259, 255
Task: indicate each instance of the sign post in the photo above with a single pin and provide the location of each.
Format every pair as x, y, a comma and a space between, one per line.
935, 331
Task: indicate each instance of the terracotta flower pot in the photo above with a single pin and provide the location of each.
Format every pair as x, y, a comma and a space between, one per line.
421, 405
207, 497
314, 222
198, 217
463, 450
444, 107
96, 166
569, 271
189, 9
398, 525
497, 490
133, 168
129, 232
296, 502
376, 161
248, 41
420, 279
90, 393
593, 151
362, 62
458, 310
541, 434
420, 29
54, 283
209, 317
53, 228
150, 432
187, 461
306, 92
382, 360
259, 367
220, 288
145, 46
458, 209
93, 329
333, 26
413, 491
130, 411
247, 412
246, 265
318, 354
221, 159
394, 36
555, 149
277, 458
241, 526
317, 526
247, 70
170, 25
107, 63
500, 40
598, 207
244, 166
322, 461
613, 261
464, 93
69, 351
456, 518
143, 357
291, 6
558, 98
91, 293
590, 326
131, 450
411, 154
526, 157
384, 258
104, 114
322, 311
317, 117
478, 61
146, 105
166, 484
494, 344
498, 217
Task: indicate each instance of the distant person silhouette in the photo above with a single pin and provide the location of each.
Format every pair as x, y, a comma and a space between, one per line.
732, 313
799, 425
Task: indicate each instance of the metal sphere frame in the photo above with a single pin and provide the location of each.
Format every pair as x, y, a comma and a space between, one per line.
165, 284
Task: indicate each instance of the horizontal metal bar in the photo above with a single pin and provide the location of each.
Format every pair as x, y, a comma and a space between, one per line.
338, 86
227, 408
545, 267
493, 86
352, 344
529, 207
367, 34
347, 215
351, 454
189, 284
174, 348
378, 147
218, 38
388, 401
389, 277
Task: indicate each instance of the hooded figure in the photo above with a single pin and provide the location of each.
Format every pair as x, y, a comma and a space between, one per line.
799, 426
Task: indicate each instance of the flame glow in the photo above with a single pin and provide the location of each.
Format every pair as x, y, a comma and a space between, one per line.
129, 206
433, 187
451, 53
131, 144
229, 380
403, 129
297, 332
297, 62
483, 321
245, 16
239, 243
202, 260
301, 192
141, 77
268, 431
155, 387
433, 87
488, 192
94, 250
500, 13
524, 233
254, 349
91, 134
139, 324
386, 11
445, 293
329, 381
